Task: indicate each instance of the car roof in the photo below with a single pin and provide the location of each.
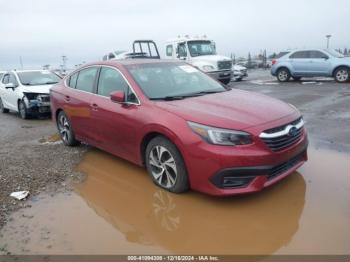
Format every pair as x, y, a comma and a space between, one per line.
133, 62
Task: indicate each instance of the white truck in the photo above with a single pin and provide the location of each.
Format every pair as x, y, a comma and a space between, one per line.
201, 53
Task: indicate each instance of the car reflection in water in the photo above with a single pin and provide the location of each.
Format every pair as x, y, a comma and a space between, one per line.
191, 223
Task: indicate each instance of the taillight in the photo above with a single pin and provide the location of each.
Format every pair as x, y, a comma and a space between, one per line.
274, 61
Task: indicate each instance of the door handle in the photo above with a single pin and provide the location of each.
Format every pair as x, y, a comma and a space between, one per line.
94, 107
67, 98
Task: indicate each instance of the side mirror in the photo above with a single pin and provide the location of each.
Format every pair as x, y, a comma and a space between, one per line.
10, 86
118, 96
325, 57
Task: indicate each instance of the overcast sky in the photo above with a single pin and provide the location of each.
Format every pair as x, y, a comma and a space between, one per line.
40, 31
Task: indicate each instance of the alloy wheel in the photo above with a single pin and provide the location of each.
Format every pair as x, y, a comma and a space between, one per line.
283, 75
163, 166
64, 128
342, 75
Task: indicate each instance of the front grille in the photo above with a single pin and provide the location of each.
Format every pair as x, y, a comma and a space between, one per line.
225, 65
44, 98
280, 128
283, 141
282, 168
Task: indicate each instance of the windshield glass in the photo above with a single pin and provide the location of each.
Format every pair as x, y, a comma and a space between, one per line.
33, 78
164, 80
198, 48
334, 53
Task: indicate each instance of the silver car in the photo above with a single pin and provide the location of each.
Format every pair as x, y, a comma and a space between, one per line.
311, 63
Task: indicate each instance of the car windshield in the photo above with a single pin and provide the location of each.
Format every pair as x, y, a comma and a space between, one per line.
33, 78
199, 48
334, 53
167, 81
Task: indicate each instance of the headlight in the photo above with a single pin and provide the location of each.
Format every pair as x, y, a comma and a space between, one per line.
208, 68
219, 136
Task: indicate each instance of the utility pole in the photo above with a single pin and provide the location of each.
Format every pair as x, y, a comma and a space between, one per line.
328, 38
64, 65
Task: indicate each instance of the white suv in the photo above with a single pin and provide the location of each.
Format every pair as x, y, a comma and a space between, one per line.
26, 92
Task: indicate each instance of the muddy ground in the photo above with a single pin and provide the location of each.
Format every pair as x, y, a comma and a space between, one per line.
111, 207
32, 158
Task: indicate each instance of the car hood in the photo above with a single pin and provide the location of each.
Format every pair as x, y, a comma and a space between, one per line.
211, 58
235, 109
40, 89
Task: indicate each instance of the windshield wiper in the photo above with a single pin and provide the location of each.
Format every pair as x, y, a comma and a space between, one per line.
203, 93
168, 98
180, 97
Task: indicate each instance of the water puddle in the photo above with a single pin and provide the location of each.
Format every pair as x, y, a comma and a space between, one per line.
117, 210
54, 139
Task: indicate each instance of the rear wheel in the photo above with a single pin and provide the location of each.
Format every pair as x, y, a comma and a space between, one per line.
283, 75
342, 74
2, 108
166, 166
65, 129
23, 110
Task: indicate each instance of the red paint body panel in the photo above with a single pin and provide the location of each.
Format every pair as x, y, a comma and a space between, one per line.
120, 129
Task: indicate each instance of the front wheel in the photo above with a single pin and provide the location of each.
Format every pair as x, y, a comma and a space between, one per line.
2, 108
342, 75
23, 110
166, 166
65, 129
225, 81
283, 75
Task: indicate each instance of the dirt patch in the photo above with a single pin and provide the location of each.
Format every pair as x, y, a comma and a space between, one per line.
43, 166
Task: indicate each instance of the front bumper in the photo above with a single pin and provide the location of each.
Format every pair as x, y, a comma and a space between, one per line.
240, 73
226, 170
221, 75
38, 107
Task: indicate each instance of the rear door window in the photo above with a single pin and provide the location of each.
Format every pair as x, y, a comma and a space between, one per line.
86, 79
300, 55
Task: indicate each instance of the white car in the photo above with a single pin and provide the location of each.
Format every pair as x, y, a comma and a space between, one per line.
239, 72
27, 92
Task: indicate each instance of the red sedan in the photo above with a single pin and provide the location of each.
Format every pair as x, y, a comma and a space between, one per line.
186, 128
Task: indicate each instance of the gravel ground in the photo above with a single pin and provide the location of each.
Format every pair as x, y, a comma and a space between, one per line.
32, 159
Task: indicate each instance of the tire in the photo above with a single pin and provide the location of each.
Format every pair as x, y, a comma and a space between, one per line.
23, 110
342, 74
225, 81
2, 108
283, 75
65, 130
166, 166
